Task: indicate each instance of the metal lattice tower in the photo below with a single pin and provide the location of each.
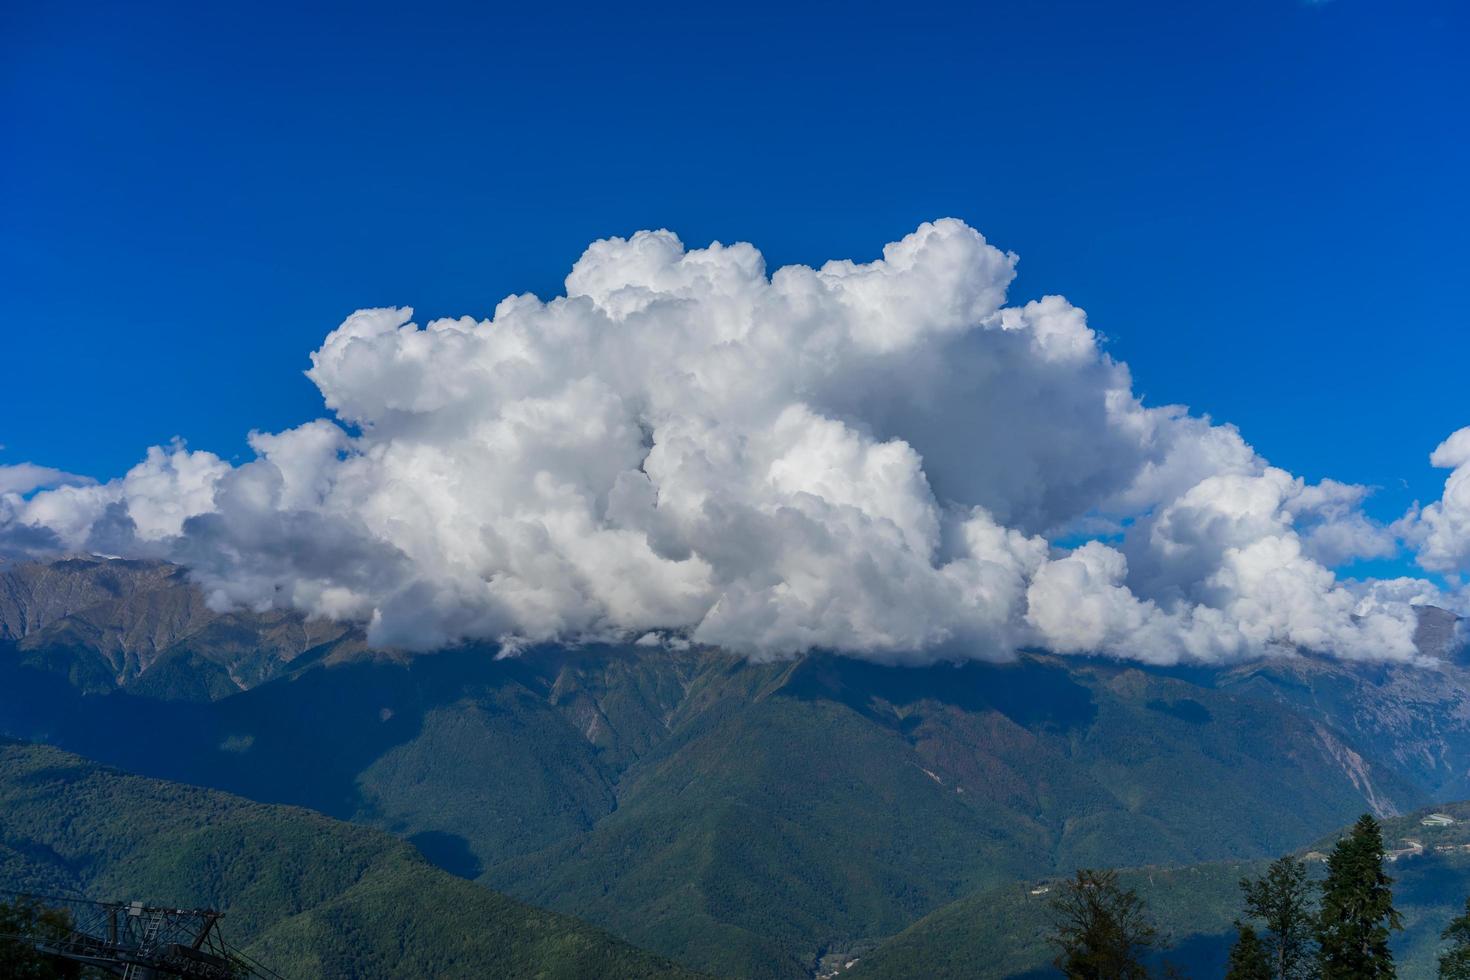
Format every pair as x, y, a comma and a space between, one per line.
140, 942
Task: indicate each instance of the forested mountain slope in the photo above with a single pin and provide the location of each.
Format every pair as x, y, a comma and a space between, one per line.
310, 896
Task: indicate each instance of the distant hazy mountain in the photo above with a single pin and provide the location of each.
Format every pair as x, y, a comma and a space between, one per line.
309, 896
1002, 932
743, 818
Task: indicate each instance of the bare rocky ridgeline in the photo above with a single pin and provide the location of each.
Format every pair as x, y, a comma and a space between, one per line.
109, 622
145, 605
1441, 633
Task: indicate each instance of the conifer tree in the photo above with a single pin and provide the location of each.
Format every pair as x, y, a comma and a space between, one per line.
1102, 929
1248, 959
1357, 909
1282, 900
1454, 963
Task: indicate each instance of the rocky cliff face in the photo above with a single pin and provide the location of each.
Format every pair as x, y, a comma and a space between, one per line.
1440, 634
108, 623
147, 604
1412, 720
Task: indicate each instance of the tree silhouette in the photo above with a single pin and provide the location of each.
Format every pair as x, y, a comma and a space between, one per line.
1357, 908
1282, 900
1248, 959
1102, 930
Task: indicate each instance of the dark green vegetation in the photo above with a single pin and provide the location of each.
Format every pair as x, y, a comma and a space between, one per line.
747, 819
1195, 907
1248, 959
1454, 962
310, 896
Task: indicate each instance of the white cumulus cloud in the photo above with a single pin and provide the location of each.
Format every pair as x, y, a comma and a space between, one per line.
1442, 529
23, 478
875, 458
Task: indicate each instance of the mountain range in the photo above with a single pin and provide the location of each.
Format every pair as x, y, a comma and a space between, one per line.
742, 818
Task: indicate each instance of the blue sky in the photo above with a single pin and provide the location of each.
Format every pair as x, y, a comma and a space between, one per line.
1262, 203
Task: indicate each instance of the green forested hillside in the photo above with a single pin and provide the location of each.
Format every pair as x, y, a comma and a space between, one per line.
1002, 932
310, 896
758, 846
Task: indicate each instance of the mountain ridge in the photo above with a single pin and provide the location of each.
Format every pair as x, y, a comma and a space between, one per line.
748, 818
111, 623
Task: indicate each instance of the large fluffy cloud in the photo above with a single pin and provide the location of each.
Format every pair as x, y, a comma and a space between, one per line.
1442, 529
876, 458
